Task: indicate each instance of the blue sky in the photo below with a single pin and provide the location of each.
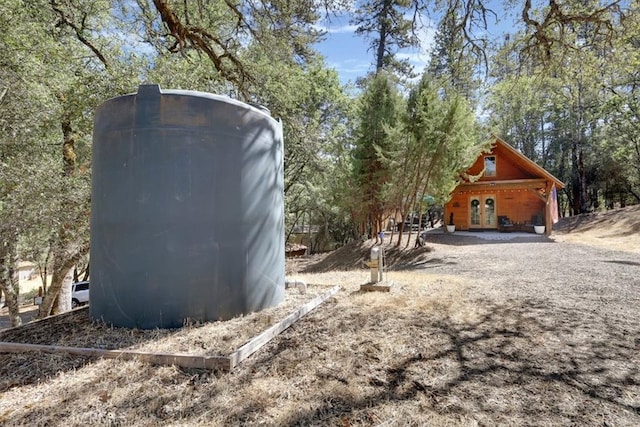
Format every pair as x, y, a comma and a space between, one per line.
349, 53
350, 56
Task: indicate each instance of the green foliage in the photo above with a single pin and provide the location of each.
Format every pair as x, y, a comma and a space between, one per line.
521, 106
379, 111
61, 64
406, 151
443, 141
309, 101
573, 113
387, 25
347, 161
453, 60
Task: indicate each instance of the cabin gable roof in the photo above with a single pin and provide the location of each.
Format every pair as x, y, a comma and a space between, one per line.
510, 166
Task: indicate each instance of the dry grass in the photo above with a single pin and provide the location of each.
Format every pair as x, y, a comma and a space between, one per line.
454, 343
615, 229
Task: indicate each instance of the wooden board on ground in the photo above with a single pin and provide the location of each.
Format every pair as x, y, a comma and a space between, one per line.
182, 360
255, 343
225, 363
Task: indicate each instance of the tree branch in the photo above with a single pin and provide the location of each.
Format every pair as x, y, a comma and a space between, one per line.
78, 30
555, 17
196, 37
3, 93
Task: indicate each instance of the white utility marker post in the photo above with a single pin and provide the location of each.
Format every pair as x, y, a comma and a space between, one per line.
376, 264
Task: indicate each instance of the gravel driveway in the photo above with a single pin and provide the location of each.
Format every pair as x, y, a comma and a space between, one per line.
521, 330
563, 275
560, 340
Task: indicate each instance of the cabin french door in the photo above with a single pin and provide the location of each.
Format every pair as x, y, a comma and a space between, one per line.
482, 211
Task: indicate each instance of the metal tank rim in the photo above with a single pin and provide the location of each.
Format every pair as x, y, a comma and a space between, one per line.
148, 89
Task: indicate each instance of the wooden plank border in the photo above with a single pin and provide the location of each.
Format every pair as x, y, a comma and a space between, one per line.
255, 343
225, 363
182, 360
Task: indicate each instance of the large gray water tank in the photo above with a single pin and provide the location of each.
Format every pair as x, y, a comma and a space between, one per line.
187, 209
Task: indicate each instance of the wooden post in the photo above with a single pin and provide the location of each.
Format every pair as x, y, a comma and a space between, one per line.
548, 222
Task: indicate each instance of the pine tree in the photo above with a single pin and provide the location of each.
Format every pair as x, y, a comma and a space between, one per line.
378, 115
451, 61
385, 24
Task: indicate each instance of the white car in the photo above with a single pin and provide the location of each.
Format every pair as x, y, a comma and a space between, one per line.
79, 294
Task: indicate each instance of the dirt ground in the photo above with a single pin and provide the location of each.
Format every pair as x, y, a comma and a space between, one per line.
617, 229
526, 331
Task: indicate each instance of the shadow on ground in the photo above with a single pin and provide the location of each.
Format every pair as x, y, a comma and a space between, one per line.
622, 222
73, 329
407, 255
521, 363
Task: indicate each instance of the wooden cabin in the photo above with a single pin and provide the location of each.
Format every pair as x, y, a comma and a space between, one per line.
510, 194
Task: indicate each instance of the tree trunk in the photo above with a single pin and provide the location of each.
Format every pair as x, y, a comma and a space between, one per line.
576, 180
9, 283
62, 264
403, 215
62, 252
582, 179
85, 277
68, 148
381, 47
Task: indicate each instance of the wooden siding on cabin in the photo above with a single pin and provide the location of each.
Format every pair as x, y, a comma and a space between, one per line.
519, 205
520, 189
506, 167
460, 208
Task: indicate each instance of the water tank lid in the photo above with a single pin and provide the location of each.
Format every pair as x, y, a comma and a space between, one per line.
149, 90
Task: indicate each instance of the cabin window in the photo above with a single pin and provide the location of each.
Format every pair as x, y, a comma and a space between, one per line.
490, 166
